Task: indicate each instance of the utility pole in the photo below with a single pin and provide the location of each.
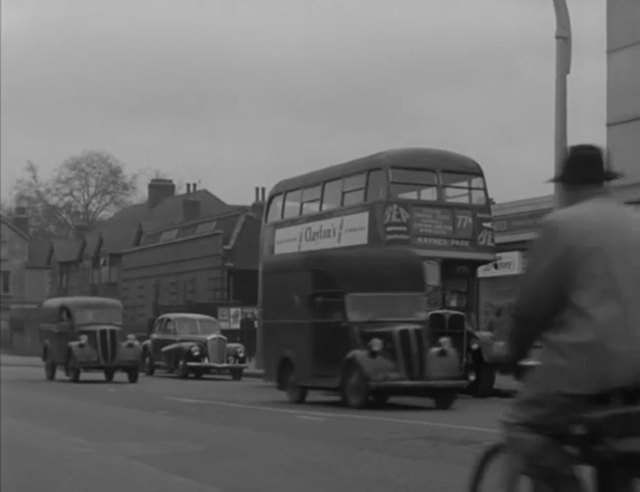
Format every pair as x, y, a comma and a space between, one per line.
563, 67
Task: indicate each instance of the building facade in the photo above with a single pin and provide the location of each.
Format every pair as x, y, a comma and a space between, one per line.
515, 224
623, 95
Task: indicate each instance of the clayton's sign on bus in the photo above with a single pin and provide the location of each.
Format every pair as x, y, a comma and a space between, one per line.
336, 232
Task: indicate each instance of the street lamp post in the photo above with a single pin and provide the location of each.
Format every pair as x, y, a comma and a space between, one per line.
563, 67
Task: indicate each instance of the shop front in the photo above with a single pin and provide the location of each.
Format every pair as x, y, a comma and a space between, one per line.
499, 283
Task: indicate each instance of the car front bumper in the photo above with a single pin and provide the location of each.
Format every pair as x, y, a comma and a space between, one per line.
213, 365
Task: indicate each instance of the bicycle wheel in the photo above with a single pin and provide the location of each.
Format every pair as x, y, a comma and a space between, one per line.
481, 482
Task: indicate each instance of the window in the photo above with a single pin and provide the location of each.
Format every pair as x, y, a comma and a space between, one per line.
292, 204
376, 185
463, 188
168, 235
311, 200
414, 184
4, 250
353, 190
206, 227
275, 209
332, 194
6, 282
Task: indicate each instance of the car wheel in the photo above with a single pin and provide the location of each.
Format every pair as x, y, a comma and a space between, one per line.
132, 375
148, 366
379, 399
49, 369
182, 370
198, 373
355, 388
73, 369
295, 393
236, 374
444, 399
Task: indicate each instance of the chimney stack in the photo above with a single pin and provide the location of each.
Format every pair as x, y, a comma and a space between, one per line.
159, 190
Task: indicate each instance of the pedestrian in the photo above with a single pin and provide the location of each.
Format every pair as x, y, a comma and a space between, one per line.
248, 335
580, 296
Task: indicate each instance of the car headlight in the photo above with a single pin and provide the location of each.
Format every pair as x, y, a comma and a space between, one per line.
376, 345
83, 339
240, 352
475, 346
195, 350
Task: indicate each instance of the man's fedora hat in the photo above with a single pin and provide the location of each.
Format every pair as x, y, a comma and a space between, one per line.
585, 165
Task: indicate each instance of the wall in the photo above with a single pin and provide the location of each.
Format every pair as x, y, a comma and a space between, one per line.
14, 256
623, 93
175, 273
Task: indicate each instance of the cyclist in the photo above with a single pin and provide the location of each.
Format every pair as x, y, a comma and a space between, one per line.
581, 296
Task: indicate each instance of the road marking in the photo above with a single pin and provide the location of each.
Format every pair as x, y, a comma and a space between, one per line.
423, 423
310, 417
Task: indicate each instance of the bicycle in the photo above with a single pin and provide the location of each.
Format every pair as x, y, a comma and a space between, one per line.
607, 440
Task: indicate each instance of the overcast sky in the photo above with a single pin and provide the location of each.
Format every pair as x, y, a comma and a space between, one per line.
239, 93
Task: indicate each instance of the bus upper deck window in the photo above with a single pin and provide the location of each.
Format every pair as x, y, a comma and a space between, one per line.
414, 184
463, 188
376, 185
353, 189
275, 209
292, 203
332, 194
311, 200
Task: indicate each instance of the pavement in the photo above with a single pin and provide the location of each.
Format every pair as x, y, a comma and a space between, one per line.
218, 435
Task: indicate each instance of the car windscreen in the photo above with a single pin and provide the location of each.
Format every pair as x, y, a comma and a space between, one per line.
106, 315
376, 306
194, 326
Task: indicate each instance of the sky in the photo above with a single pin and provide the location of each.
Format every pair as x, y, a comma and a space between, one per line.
233, 94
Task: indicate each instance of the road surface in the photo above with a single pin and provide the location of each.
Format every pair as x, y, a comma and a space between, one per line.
164, 434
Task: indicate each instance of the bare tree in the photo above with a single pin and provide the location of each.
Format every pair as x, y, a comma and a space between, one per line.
84, 190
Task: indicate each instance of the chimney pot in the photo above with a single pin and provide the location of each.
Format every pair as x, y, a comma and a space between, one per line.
188, 187
194, 187
264, 193
257, 194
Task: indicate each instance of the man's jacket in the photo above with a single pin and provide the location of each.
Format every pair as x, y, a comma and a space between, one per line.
581, 295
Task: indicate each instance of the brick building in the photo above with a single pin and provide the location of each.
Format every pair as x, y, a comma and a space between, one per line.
206, 265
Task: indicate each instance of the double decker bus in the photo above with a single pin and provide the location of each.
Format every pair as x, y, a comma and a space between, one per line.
433, 202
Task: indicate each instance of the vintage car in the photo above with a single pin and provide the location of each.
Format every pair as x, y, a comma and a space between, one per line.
185, 343
82, 334
356, 322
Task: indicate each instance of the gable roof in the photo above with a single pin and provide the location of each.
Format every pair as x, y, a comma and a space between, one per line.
38, 253
5, 220
67, 250
169, 211
116, 239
